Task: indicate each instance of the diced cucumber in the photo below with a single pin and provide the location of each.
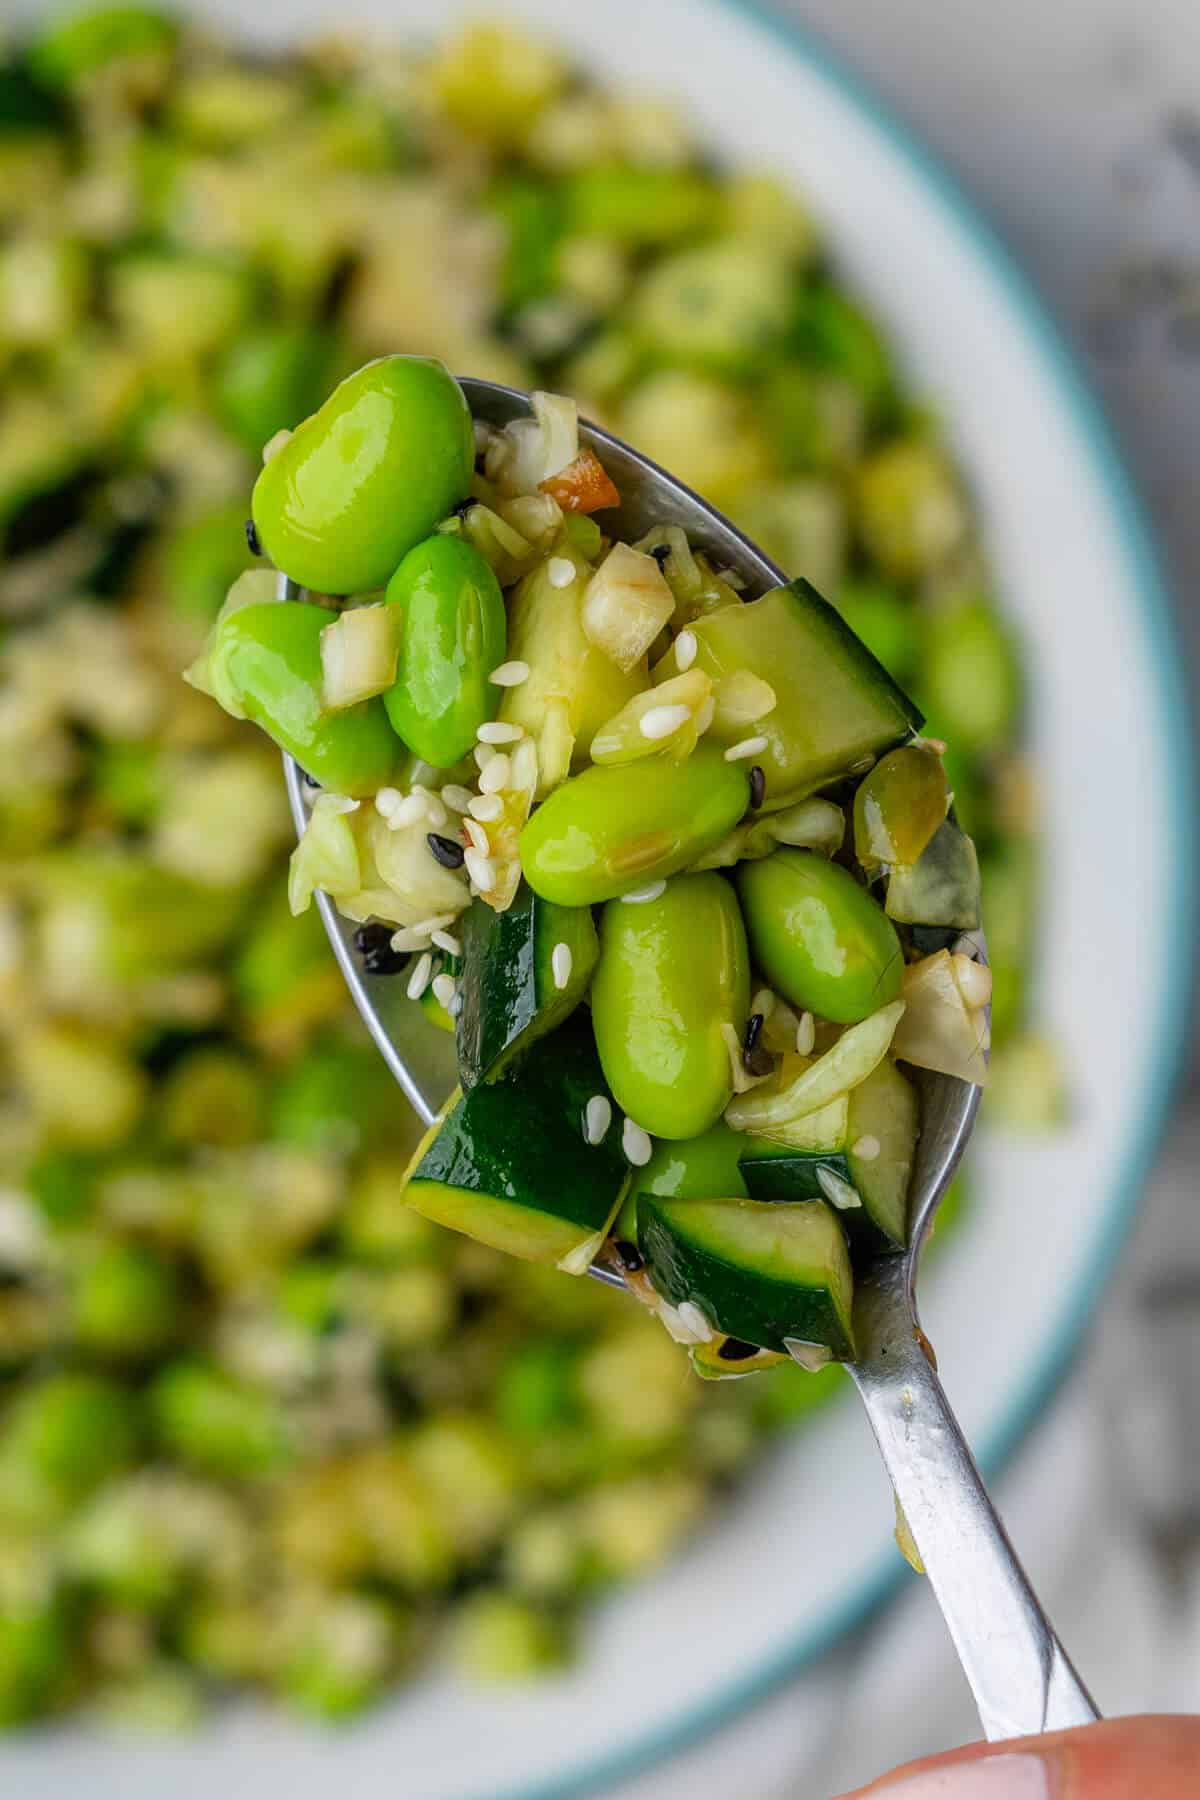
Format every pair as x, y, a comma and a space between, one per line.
836, 705
884, 1112
941, 887
572, 688
511, 994
510, 1165
638, 204
760, 1272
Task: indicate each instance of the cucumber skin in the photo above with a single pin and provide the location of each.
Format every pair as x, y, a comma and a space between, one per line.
791, 1175
520, 1140
508, 993
756, 1308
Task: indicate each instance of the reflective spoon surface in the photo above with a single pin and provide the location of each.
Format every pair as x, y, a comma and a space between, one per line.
1019, 1673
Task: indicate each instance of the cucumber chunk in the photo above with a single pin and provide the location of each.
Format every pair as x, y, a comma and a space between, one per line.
510, 996
872, 1152
760, 1272
509, 1163
835, 704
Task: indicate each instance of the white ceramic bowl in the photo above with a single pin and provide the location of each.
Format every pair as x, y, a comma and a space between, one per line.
808, 1549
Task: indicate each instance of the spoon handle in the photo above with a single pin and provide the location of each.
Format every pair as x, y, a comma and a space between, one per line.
1019, 1673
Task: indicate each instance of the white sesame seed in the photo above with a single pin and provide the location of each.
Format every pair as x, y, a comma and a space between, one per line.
560, 965
763, 1002
695, 1320
479, 838
560, 572
866, 1148
483, 754
597, 1118
524, 764
456, 1005
435, 922
686, 646
636, 1144
806, 1034
839, 1193
387, 800
748, 747
435, 812
408, 811
496, 776
661, 721
274, 445
458, 798
445, 940
418, 981
510, 674
706, 712
638, 896
408, 939
486, 806
498, 731
444, 989
480, 869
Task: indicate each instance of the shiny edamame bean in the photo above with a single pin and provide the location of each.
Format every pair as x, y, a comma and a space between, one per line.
367, 476
452, 637
818, 937
611, 830
672, 972
268, 660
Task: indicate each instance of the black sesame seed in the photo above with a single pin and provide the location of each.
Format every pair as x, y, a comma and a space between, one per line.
758, 788
374, 945
449, 853
252, 538
755, 1059
629, 1256
661, 553
736, 1350
309, 780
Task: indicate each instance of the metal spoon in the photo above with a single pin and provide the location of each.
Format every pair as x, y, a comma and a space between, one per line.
1019, 1673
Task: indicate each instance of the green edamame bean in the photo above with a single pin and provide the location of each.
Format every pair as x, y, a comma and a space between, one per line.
818, 937
268, 660
367, 476
672, 972
452, 637
616, 828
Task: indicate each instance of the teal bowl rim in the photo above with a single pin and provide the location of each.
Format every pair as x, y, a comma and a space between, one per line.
1175, 984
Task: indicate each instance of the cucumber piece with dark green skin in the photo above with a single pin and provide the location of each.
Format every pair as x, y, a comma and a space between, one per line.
509, 1164
942, 887
872, 1154
836, 705
759, 1272
510, 997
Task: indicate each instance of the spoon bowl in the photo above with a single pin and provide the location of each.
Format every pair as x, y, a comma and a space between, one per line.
1019, 1673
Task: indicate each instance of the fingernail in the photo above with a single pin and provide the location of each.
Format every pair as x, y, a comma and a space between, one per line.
985, 1778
